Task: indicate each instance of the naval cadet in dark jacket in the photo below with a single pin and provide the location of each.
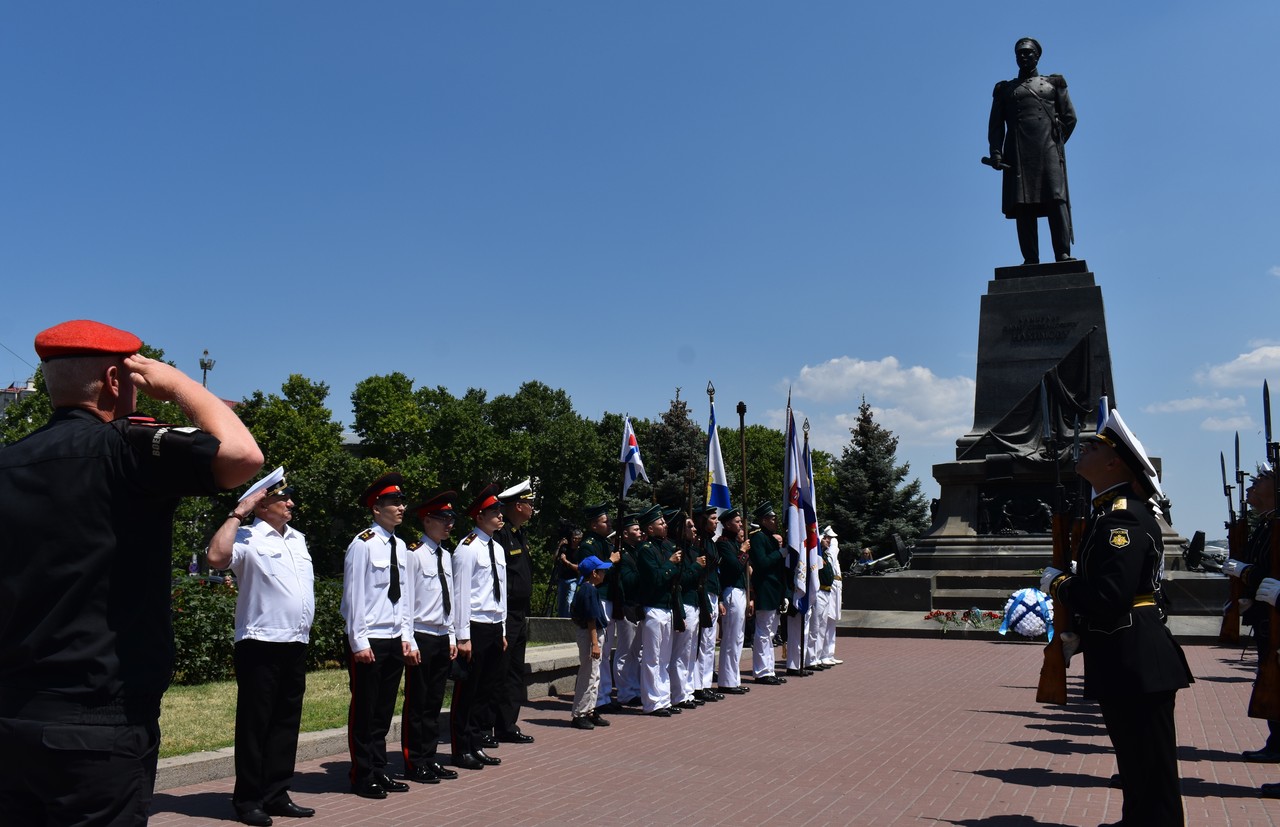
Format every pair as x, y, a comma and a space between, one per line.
517, 509
768, 582
1132, 665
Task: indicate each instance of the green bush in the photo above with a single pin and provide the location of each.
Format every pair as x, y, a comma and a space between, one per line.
204, 623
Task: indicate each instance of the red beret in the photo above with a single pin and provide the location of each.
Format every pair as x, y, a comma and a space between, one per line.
85, 338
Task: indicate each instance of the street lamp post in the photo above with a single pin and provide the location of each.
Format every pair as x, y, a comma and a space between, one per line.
206, 365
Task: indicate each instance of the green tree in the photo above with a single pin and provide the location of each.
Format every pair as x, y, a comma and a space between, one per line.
872, 498
675, 456
296, 429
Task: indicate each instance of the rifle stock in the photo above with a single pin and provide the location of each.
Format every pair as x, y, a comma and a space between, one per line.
1237, 540
1052, 688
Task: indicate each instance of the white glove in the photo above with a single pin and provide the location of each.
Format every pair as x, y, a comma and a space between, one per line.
1268, 590
1234, 568
1050, 574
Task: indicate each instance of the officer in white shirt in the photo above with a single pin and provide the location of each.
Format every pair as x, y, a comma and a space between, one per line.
827, 645
434, 645
274, 610
379, 634
479, 621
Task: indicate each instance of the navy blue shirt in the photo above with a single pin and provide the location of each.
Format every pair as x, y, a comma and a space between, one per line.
586, 606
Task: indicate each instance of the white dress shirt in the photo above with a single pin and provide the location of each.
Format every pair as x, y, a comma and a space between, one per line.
474, 576
427, 598
277, 600
366, 584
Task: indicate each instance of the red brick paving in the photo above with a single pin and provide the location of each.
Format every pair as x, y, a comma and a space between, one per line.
904, 732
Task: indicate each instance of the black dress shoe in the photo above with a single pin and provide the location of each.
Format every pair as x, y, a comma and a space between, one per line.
798, 673
441, 772
255, 816
665, 712
288, 809
488, 742
770, 680
687, 705
734, 690
714, 696
467, 761
386, 783
582, 722
368, 788
422, 775
818, 667
1261, 756
487, 760
696, 701
597, 719
515, 737
675, 710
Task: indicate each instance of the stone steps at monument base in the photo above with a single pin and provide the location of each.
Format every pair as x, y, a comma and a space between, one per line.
1190, 593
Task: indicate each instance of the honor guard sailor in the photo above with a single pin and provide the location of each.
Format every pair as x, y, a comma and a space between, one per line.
657, 569
1132, 665
734, 550
769, 582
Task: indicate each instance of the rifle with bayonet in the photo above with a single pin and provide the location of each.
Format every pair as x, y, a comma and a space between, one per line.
1237, 538
1052, 688
1265, 700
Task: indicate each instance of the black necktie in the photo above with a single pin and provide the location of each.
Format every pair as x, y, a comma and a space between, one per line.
493, 567
394, 591
444, 584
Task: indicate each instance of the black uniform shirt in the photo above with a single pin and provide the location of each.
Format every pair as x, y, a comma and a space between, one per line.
733, 572
87, 509
519, 570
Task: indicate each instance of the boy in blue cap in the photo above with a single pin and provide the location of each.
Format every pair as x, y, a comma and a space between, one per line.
587, 612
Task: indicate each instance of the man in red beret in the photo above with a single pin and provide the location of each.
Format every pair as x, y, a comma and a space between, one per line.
379, 634
86, 641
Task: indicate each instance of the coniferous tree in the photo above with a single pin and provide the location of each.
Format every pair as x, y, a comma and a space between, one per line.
872, 499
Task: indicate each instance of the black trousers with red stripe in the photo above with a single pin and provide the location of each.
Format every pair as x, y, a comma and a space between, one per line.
475, 688
423, 698
373, 701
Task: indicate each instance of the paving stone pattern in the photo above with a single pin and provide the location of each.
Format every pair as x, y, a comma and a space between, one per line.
906, 731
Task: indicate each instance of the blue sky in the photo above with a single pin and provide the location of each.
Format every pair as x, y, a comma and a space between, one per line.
623, 198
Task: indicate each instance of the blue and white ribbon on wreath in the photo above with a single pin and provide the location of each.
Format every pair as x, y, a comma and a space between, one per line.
1029, 612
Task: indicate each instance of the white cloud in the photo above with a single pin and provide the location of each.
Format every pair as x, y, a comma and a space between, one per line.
919, 407
848, 378
1231, 423
1275, 271
1247, 369
1197, 403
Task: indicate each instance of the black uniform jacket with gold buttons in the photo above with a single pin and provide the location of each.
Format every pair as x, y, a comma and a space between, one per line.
1128, 650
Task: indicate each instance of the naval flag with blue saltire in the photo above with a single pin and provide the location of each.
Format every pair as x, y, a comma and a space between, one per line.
801, 520
717, 493
631, 457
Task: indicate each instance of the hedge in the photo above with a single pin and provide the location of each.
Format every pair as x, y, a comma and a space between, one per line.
204, 622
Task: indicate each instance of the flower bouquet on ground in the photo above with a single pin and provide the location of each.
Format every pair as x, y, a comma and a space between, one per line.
972, 618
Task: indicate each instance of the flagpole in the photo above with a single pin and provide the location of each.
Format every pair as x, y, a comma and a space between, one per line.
810, 597
746, 524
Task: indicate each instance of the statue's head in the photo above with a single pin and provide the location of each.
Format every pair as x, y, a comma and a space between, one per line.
1027, 51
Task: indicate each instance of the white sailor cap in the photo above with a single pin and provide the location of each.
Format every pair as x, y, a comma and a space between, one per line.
274, 483
520, 491
1123, 441
829, 531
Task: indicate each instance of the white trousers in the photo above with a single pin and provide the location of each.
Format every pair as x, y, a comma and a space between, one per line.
655, 659
731, 630
683, 649
704, 654
626, 660
762, 645
797, 635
